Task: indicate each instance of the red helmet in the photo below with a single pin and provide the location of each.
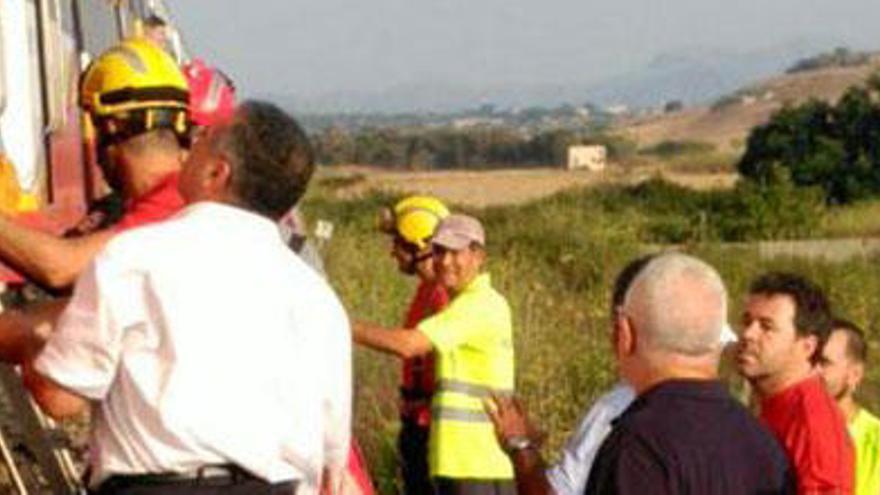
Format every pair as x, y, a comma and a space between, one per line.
211, 94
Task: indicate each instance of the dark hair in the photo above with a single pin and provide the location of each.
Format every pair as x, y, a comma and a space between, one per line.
856, 347
154, 21
271, 156
625, 279
812, 315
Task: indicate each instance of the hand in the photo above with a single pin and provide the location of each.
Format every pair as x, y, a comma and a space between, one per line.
510, 420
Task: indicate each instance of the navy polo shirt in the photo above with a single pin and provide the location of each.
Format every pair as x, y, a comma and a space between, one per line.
689, 436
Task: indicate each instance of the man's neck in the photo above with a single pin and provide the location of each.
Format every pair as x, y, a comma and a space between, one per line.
454, 291
425, 272
674, 368
771, 385
148, 176
849, 407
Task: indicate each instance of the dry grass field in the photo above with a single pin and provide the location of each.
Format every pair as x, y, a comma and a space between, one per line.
481, 189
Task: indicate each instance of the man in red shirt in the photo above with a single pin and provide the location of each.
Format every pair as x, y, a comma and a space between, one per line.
785, 324
412, 223
136, 99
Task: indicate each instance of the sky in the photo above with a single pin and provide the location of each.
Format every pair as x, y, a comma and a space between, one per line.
315, 47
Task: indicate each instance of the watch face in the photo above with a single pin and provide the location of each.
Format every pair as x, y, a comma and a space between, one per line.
518, 442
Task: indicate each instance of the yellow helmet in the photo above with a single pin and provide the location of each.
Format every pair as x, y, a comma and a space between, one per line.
135, 86
414, 219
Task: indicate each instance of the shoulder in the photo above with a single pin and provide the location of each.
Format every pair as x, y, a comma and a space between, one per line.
145, 239
490, 302
866, 428
321, 300
869, 419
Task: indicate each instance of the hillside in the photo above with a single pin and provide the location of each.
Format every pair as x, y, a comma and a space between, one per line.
727, 123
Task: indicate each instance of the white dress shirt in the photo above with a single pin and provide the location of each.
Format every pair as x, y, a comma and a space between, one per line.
569, 477
202, 340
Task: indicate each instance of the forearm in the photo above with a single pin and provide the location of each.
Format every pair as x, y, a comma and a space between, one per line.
56, 401
24, 332
49, 260
402, 342
530, 470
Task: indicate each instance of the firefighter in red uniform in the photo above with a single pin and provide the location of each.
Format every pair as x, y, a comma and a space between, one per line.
412, 223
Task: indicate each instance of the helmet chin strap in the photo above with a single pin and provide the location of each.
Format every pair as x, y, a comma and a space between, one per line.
415, 259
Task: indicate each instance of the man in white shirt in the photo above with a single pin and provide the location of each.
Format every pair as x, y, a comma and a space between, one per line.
214, 359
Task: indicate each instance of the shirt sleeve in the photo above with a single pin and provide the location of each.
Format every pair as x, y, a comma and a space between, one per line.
570, 475
453, 326
83, 352
821, 452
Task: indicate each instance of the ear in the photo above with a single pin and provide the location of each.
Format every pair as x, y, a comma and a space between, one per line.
219, 176
809, 344
854, 375
624, 336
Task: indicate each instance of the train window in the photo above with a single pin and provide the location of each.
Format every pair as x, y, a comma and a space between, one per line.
54, 64
99, 28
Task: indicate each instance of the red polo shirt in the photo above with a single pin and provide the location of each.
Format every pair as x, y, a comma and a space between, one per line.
417, 381
807, 422
159, 203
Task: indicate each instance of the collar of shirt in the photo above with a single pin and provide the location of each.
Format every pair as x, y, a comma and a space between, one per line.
784, 397
696, 389
480, 282
223, 213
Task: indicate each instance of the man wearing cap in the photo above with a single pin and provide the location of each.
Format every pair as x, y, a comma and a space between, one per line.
472, 341
411, 223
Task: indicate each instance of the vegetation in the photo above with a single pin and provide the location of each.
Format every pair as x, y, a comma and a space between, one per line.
555, 260
839, 57
451, 148
834, 147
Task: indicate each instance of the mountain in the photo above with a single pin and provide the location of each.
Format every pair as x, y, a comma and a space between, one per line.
691, 75
727, 122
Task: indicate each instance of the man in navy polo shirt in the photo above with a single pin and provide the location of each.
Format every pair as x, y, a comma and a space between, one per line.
684, 433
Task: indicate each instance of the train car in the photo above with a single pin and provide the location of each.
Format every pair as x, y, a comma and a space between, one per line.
48, 177
47, 168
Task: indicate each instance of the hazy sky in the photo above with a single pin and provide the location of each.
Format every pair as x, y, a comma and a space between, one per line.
316, 46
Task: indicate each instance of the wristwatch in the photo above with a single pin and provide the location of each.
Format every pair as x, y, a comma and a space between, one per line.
517, 443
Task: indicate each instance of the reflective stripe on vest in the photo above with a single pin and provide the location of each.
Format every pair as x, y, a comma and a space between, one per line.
477, 390
460, 414
474, 390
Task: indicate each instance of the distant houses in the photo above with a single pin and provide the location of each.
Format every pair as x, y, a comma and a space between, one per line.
587, 157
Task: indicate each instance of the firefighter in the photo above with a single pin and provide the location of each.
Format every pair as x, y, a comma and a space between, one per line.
135, 99
411, 224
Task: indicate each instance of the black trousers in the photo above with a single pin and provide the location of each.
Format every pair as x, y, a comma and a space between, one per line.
154, 485
454, 486
412, 445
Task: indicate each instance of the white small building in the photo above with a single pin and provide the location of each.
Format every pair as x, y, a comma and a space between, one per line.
592, 157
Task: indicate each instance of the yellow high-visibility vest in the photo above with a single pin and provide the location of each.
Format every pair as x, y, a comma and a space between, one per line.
473, 342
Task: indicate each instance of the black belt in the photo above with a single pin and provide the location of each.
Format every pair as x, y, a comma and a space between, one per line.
208, 475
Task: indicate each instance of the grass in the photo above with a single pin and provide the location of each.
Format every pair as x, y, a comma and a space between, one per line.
554, 260
861, 219
691, 157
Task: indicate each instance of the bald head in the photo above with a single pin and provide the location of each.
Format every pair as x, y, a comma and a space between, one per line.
678, 305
